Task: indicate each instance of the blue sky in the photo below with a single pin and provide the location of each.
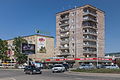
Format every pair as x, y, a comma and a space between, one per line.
22, 17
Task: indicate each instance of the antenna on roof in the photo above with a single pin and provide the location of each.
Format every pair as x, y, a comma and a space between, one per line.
63, 8
75, 7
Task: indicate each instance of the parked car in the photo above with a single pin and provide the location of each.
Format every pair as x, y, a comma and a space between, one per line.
86, 66
32, 70
58, 68
66, 66
110, 66
21, 67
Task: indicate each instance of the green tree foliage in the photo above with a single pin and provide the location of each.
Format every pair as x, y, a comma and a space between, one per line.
118, 62
17, 43
3, 50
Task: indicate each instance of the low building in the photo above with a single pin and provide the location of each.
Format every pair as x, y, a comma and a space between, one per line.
44, 46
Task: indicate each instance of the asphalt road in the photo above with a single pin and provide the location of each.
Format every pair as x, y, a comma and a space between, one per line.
48, 75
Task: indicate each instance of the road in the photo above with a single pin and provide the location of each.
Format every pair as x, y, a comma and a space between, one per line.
48, 75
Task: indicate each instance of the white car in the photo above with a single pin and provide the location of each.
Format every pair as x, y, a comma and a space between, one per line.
58, 68
111, 66
21, 67
86, 66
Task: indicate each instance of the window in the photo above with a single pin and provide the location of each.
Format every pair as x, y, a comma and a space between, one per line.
73, 44
72, 20
72, 26
72, 38
72, 50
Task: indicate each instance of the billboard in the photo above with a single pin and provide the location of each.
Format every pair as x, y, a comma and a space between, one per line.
41, 45
28, 48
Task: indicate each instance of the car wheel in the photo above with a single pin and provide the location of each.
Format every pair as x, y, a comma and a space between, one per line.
53, 72
40, 72
25, 72
31, 72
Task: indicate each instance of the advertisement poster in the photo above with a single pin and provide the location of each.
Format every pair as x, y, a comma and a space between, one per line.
41, 45
28, 48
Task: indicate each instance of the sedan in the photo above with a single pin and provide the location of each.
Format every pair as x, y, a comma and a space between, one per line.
58, 68
32, 70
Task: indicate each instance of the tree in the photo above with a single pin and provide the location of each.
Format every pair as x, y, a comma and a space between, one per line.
3, 50
118, 61
17, 43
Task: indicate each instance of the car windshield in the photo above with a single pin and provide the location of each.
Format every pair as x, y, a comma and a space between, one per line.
85, 65
58, 66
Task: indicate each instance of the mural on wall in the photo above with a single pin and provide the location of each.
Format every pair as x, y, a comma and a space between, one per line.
41, 44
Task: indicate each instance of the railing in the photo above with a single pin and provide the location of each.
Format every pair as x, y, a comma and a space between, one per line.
90, 27
64, 47
64, 24
89, 52
65, 18
63, 36
89, 19
64, 53
64, 30
89, 39
88, 45
90, 33
93, 14
64, 42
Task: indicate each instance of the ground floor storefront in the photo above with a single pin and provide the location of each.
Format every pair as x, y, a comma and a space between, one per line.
75, 62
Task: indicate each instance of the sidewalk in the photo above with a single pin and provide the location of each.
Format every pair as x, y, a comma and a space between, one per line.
93, 74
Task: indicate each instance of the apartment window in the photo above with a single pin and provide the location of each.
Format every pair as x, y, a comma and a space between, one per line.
73, 44
73, 13
72, 38
72, 50
73, 32
72, 20
72, 26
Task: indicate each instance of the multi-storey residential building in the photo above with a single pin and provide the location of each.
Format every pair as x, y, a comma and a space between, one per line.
80, 32
41, 42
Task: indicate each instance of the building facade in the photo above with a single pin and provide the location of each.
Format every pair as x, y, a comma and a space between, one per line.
44, 46
80, 32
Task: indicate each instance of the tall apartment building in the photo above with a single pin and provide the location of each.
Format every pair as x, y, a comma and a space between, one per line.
80, 32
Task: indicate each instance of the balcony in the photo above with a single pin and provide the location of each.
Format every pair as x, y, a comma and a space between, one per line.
64, 24
92, 33
89, 52
64, 19
90, 13
64, 30
65, 53
89, 19
61, 47
64, 36
64, 42
89, 45
92, 27
89, 39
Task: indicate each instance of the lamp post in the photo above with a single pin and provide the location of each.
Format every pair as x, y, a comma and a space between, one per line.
97, 50
75, 34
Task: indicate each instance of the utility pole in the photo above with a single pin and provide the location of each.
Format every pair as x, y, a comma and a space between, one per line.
75, 34
97, 49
